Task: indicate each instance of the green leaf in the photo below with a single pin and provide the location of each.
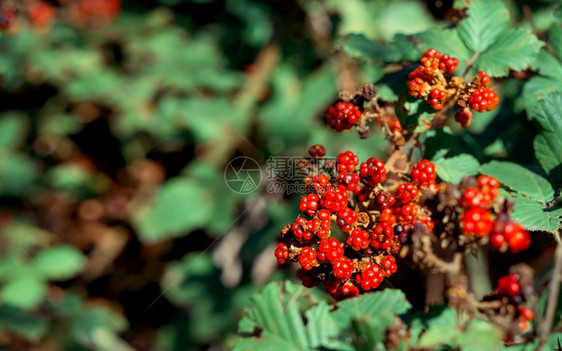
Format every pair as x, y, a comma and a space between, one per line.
60, 262
550, 72
520, 179
24, 292
534, 216
17, 174
97, 326
453, 169
385, 93
394, 18
414, 114
77, 179
555, 38
359, 46
67, 306
438, 335
487, 19
369, 306
179, 278
276, 312
179, 206
13, 129
279, 317
548, 143
320, 327
538, 88
479, 335
515, 50
22, 322
548, 65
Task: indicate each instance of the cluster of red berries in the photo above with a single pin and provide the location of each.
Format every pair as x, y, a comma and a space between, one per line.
342, 116
424, 81
480, 99
424, 175
509, 288
41, 14
428, 81
483, 99
7, 18
509, 234
477, 219
392, 122
374, 222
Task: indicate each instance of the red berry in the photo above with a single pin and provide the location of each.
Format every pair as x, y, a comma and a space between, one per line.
509, 286
342, 116
371, 277
346, 218
497, 240
423, 173
349, 289
518, 238
323, 231
41, 14
431, 52
332, 287
429, 61
406, 214
307, 258
308, 278
358, 239
489, 186
464, 117
484, 79
407, 192
483, 99
309, 204
7, 18
388, 263
417, 86
334, 199
298, 228
526, 313
343, 268
99, 10
448, 64
427, 222
436, 98
387, 217
282, 253
477, 221
320, 182
317, 151
349, 180
381, 236
384, 200
472, 197
347, 161
304, 230
330, 249
373, 172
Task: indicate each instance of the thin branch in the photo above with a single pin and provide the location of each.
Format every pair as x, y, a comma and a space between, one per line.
469, 63
554, 289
